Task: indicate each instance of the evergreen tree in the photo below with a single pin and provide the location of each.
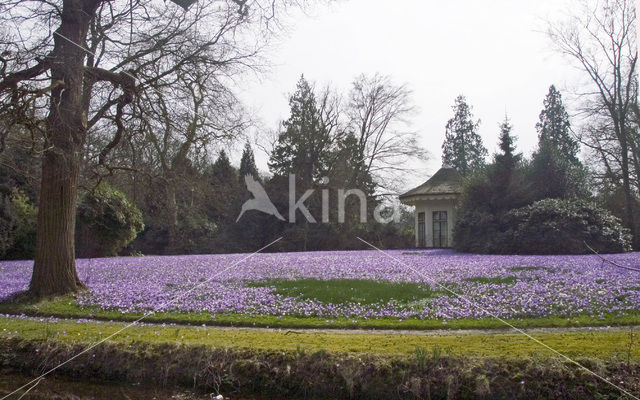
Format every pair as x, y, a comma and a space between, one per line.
303, 145
247, 163
349, 169
507, 160
507, 191
304, 149
554, 127
555, 170
463, 148
223, 172
224, 194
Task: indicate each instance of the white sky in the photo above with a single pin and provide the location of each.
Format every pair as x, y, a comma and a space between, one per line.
494, 52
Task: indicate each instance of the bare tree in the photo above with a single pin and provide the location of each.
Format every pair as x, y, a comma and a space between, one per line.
169, 137
84, 62
378, 112
601, 39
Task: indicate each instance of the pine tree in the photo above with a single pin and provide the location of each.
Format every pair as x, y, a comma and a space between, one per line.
463, 148
248, 163
302, 146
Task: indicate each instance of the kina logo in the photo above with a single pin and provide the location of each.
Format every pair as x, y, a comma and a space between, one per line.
260, 201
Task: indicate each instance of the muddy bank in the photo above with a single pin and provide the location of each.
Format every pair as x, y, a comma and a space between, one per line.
56, 387
321, 375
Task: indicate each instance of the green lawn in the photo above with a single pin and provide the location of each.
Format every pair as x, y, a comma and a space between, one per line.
507, 280
342, 291
601, 345
66, 307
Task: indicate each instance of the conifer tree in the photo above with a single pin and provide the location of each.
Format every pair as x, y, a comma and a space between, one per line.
248, 163
554, 127
223, 172
507, 191
303, 145
507, 160
224, 191
555, 170
463, 148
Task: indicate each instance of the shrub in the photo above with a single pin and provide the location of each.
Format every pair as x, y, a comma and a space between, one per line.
614, 200
548, 226
106, 222
25, 232
8, 224
554, 176
475, 232
564, 226
17, 225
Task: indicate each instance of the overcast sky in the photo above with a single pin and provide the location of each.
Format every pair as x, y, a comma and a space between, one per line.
492, 51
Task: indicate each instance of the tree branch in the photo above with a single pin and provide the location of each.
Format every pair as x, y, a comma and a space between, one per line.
128, 84
11, 80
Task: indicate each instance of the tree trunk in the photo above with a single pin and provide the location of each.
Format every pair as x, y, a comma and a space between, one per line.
54, 269
628, 195
172, 217
635, 154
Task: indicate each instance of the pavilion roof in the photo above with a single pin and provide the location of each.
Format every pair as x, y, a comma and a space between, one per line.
446, 181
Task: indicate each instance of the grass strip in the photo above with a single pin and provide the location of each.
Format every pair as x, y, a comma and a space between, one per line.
620, 345
66, 307
284, 364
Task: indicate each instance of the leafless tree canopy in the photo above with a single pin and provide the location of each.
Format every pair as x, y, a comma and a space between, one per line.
84, 76
379, 114
600, 38
154, 43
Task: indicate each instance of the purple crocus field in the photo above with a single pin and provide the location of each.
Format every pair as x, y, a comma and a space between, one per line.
558, 285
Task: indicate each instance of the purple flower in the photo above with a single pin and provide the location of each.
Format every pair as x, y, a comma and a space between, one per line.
503, 286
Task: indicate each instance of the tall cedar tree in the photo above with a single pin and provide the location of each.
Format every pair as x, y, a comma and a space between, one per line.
554, 127
302, 146
463, 148
556, 171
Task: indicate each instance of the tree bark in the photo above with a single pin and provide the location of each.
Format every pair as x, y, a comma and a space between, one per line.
172, 217
626, 184
54, 269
